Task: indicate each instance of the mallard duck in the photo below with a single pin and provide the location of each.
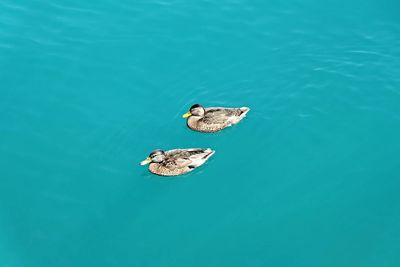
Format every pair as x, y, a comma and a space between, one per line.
177, 161
213, 119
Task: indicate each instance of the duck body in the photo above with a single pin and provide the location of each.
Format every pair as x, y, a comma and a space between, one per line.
177, 161
214, 119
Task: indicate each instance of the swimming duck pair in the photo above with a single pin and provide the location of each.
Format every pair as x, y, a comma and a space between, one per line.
208, 120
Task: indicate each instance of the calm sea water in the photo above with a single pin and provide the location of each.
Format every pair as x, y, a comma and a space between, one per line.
309, 178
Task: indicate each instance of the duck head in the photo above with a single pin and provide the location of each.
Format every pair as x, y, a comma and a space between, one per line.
195, 110
156, 156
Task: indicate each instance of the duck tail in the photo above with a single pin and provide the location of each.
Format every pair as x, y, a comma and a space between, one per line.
244, 110
209, 152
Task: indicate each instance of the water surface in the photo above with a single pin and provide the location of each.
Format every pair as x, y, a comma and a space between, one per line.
89, 88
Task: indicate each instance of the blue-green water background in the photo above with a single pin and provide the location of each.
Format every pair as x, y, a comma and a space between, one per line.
309, 178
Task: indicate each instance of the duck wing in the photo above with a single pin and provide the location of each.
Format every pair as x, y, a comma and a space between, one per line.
181, 158
222, 115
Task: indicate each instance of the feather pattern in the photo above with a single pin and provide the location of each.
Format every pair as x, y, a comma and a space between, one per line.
181, 161
216, 119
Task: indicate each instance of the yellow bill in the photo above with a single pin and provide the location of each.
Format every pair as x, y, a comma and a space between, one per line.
186, 115
146, 161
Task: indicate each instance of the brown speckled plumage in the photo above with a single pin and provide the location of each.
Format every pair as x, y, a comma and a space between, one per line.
180, 161
216, 119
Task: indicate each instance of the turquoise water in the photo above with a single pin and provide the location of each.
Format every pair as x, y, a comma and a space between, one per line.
309, 178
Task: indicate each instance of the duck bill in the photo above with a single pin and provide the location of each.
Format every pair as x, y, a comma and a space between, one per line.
186, 115
145, 162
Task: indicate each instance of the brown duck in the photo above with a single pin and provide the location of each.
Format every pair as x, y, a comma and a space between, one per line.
177, 161
213, 119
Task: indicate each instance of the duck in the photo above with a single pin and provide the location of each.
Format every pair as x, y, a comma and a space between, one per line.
213, 119
177, 161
